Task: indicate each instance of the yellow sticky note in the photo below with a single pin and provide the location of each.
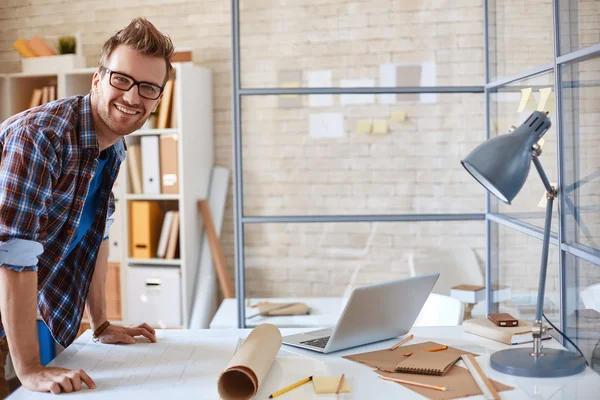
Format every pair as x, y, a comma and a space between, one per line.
399, 116
329, 384
546, 102
380, 127
543, 200
526, 100
364, 126
289, 85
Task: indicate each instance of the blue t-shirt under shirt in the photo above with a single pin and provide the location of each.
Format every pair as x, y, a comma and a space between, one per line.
91, 204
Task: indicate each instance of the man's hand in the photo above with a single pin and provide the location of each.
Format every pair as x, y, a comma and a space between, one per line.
120, 334
55, 380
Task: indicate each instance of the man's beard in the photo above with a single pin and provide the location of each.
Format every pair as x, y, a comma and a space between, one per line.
118, 127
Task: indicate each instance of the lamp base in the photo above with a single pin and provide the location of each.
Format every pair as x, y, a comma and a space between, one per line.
554, 363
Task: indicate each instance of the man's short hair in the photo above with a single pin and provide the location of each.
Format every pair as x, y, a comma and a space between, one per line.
142, 36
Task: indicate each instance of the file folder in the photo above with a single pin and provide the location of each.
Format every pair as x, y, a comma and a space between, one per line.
145, 223
169, 182
150, 164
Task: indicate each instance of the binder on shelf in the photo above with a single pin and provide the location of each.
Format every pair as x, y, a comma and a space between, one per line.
45, 94
173, 237
52, 89
169, 182
150, 164
174, 105
36, 98
164, 235
165, 105
145, 223
134, 164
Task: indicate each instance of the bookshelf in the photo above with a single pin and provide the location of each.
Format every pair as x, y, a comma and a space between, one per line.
193, 121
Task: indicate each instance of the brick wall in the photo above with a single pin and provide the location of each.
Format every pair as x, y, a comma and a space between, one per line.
414, 168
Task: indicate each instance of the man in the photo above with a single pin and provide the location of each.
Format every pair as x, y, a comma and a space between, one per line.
58, 163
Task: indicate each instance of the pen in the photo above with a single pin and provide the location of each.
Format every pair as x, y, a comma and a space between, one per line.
440, 388
402, 342
292, 386
337, 391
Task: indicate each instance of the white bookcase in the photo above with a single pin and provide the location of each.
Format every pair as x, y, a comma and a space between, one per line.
146, 298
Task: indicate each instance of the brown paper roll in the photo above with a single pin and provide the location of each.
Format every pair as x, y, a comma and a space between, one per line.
250, 364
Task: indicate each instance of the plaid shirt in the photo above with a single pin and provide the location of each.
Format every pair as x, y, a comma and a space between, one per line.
48, 156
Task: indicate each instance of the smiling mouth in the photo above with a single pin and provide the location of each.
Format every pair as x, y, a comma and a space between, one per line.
126, 110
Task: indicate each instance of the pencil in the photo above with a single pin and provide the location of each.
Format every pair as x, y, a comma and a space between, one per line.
440, 388
408, 354
436, 349
292, 386
406, 339
337, 391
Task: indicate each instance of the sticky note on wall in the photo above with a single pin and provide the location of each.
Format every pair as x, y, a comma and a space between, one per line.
546, 102
527, 100
399, 116
364, 126
380, 127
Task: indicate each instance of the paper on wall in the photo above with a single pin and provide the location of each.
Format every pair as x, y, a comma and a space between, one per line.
319, 79
380, 127
364, 126
326, 125
387, 78
249, 366
357, 98
428, 78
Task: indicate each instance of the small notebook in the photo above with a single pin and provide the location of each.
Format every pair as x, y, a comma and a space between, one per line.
425, 363
329, 384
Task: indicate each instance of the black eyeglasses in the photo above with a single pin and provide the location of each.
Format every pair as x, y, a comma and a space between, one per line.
124, 82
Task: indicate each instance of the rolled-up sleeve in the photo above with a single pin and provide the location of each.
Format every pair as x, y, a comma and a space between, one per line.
26, 180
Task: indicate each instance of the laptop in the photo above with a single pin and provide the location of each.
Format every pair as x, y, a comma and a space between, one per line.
373, 313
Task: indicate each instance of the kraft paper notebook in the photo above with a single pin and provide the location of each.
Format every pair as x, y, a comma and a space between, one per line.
424, 363
387, 360
458, 382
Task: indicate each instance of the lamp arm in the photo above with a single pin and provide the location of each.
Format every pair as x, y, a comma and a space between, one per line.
550, 195
540, 170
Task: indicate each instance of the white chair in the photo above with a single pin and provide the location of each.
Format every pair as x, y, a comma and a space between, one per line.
440, 310
456, 267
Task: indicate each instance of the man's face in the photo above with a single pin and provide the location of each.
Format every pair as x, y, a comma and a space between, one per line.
124, 112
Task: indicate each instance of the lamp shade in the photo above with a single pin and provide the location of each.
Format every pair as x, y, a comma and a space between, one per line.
501, 164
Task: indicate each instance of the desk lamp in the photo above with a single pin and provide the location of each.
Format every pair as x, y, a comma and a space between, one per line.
501, 165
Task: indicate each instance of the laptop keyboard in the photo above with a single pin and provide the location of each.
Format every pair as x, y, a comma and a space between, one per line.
320, 342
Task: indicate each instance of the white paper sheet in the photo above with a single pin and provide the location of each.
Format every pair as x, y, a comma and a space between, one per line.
357, 98
428, 78
176, 367
172, 368
319, 79
326, 125
387, 78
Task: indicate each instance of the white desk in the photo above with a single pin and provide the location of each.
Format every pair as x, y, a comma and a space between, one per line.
324, 312
363, 382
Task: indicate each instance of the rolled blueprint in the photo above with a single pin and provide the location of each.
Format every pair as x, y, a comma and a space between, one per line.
250, 364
